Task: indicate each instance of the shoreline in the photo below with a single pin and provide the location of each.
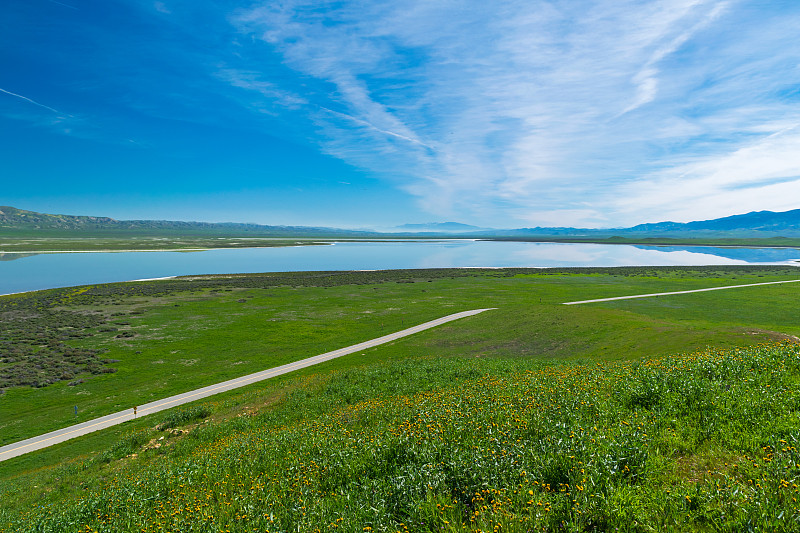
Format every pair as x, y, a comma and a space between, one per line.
148, 250
793, 264
642, 243
125, 281
318, 242
127, 250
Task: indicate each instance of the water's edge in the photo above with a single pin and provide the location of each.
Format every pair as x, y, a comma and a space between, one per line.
30, 272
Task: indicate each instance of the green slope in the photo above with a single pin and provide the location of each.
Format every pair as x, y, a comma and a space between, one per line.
534, 416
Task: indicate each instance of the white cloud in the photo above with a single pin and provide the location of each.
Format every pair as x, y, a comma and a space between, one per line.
646, 79
252, 81
765, 172
545, 111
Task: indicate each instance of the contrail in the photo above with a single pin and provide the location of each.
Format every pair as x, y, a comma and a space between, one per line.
374, 127
34, 102
65, 5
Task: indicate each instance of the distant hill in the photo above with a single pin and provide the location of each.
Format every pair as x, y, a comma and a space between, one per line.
440, 227
761, 221
15, 221
11, 217
757, 224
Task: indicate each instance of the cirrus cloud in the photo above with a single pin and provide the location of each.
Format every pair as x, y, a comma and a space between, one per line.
549, 110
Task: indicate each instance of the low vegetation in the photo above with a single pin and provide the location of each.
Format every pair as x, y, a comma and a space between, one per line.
533, 417
17, 247
33, 342
701, 441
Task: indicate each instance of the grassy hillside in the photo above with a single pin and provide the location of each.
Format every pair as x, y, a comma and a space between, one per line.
108, 347
31, 231
536, 416
699, 442
12, 248
24, 224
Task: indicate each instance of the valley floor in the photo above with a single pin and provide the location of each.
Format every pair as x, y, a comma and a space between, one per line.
676, 413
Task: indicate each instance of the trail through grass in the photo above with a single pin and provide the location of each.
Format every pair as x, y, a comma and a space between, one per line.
164, 338
534, 417
694, 442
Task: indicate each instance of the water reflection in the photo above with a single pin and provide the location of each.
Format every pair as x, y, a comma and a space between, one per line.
748, 255
604, 255
11, 257
39, 271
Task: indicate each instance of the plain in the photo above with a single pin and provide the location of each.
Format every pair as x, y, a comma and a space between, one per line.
165, 337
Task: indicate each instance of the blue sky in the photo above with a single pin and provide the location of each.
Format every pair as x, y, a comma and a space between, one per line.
510, 113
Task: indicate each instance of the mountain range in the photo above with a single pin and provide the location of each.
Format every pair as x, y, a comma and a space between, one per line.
17, 222
440, 227
756, 224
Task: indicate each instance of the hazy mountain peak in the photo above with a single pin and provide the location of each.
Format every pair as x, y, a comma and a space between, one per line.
445, 227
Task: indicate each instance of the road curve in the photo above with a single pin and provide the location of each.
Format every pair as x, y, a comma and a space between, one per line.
61, 435
678, 292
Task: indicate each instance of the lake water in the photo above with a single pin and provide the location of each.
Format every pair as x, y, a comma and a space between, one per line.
43, 271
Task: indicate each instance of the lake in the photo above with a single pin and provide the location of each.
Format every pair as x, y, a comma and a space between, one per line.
41, 271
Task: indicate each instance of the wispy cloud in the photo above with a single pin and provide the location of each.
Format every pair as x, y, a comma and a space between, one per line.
765, 171
646, 79
161, 7
63, 4
544, 110
251, 81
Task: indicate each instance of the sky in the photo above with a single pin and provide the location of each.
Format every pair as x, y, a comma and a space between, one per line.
372, 114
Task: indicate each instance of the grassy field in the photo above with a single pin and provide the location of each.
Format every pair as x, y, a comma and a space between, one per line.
162, 338
10, 245
14, 245
445, 430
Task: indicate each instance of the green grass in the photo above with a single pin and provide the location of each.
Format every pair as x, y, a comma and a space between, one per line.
34, 244
208, 326
191, 333
698, 442
426, 431
38, 240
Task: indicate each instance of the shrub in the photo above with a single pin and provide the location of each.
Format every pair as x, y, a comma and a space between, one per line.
184, 417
